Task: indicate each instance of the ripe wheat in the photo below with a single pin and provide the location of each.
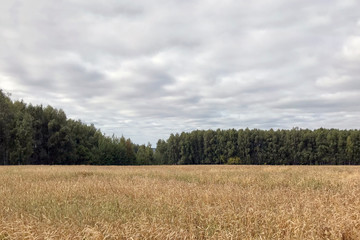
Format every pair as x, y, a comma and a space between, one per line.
180, 202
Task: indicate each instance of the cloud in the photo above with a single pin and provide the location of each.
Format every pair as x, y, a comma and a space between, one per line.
332, 82
146, 69
351, 49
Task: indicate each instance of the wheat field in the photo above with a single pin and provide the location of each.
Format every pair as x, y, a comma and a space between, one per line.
180, 202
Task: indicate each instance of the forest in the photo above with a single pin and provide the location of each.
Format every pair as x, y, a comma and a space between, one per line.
274, 147
44, 135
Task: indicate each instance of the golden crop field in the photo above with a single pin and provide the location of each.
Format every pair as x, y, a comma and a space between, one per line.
180, 202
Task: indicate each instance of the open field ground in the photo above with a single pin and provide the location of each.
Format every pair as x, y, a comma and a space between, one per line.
180, 202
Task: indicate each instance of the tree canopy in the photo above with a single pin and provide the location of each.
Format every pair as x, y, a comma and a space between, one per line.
44, 135
245, 146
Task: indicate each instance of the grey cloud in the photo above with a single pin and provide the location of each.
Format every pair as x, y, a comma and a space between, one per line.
148, 68
337, 102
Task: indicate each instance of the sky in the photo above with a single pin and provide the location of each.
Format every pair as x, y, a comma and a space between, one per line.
145, 69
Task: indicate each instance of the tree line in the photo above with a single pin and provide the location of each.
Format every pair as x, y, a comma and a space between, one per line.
44, 135
276, 147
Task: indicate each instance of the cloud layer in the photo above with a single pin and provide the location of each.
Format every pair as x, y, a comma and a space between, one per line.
146, 69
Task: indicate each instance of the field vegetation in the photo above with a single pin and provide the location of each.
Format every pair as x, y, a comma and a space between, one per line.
180, 202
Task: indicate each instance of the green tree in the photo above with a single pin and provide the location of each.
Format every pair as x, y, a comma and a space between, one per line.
349, 150
22, 139
130, 153
6, 122
161, 155
144, 155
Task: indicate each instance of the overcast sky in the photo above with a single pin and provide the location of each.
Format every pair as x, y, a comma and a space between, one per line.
145, 69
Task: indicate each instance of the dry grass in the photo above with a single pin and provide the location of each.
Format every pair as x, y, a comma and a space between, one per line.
180, 202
